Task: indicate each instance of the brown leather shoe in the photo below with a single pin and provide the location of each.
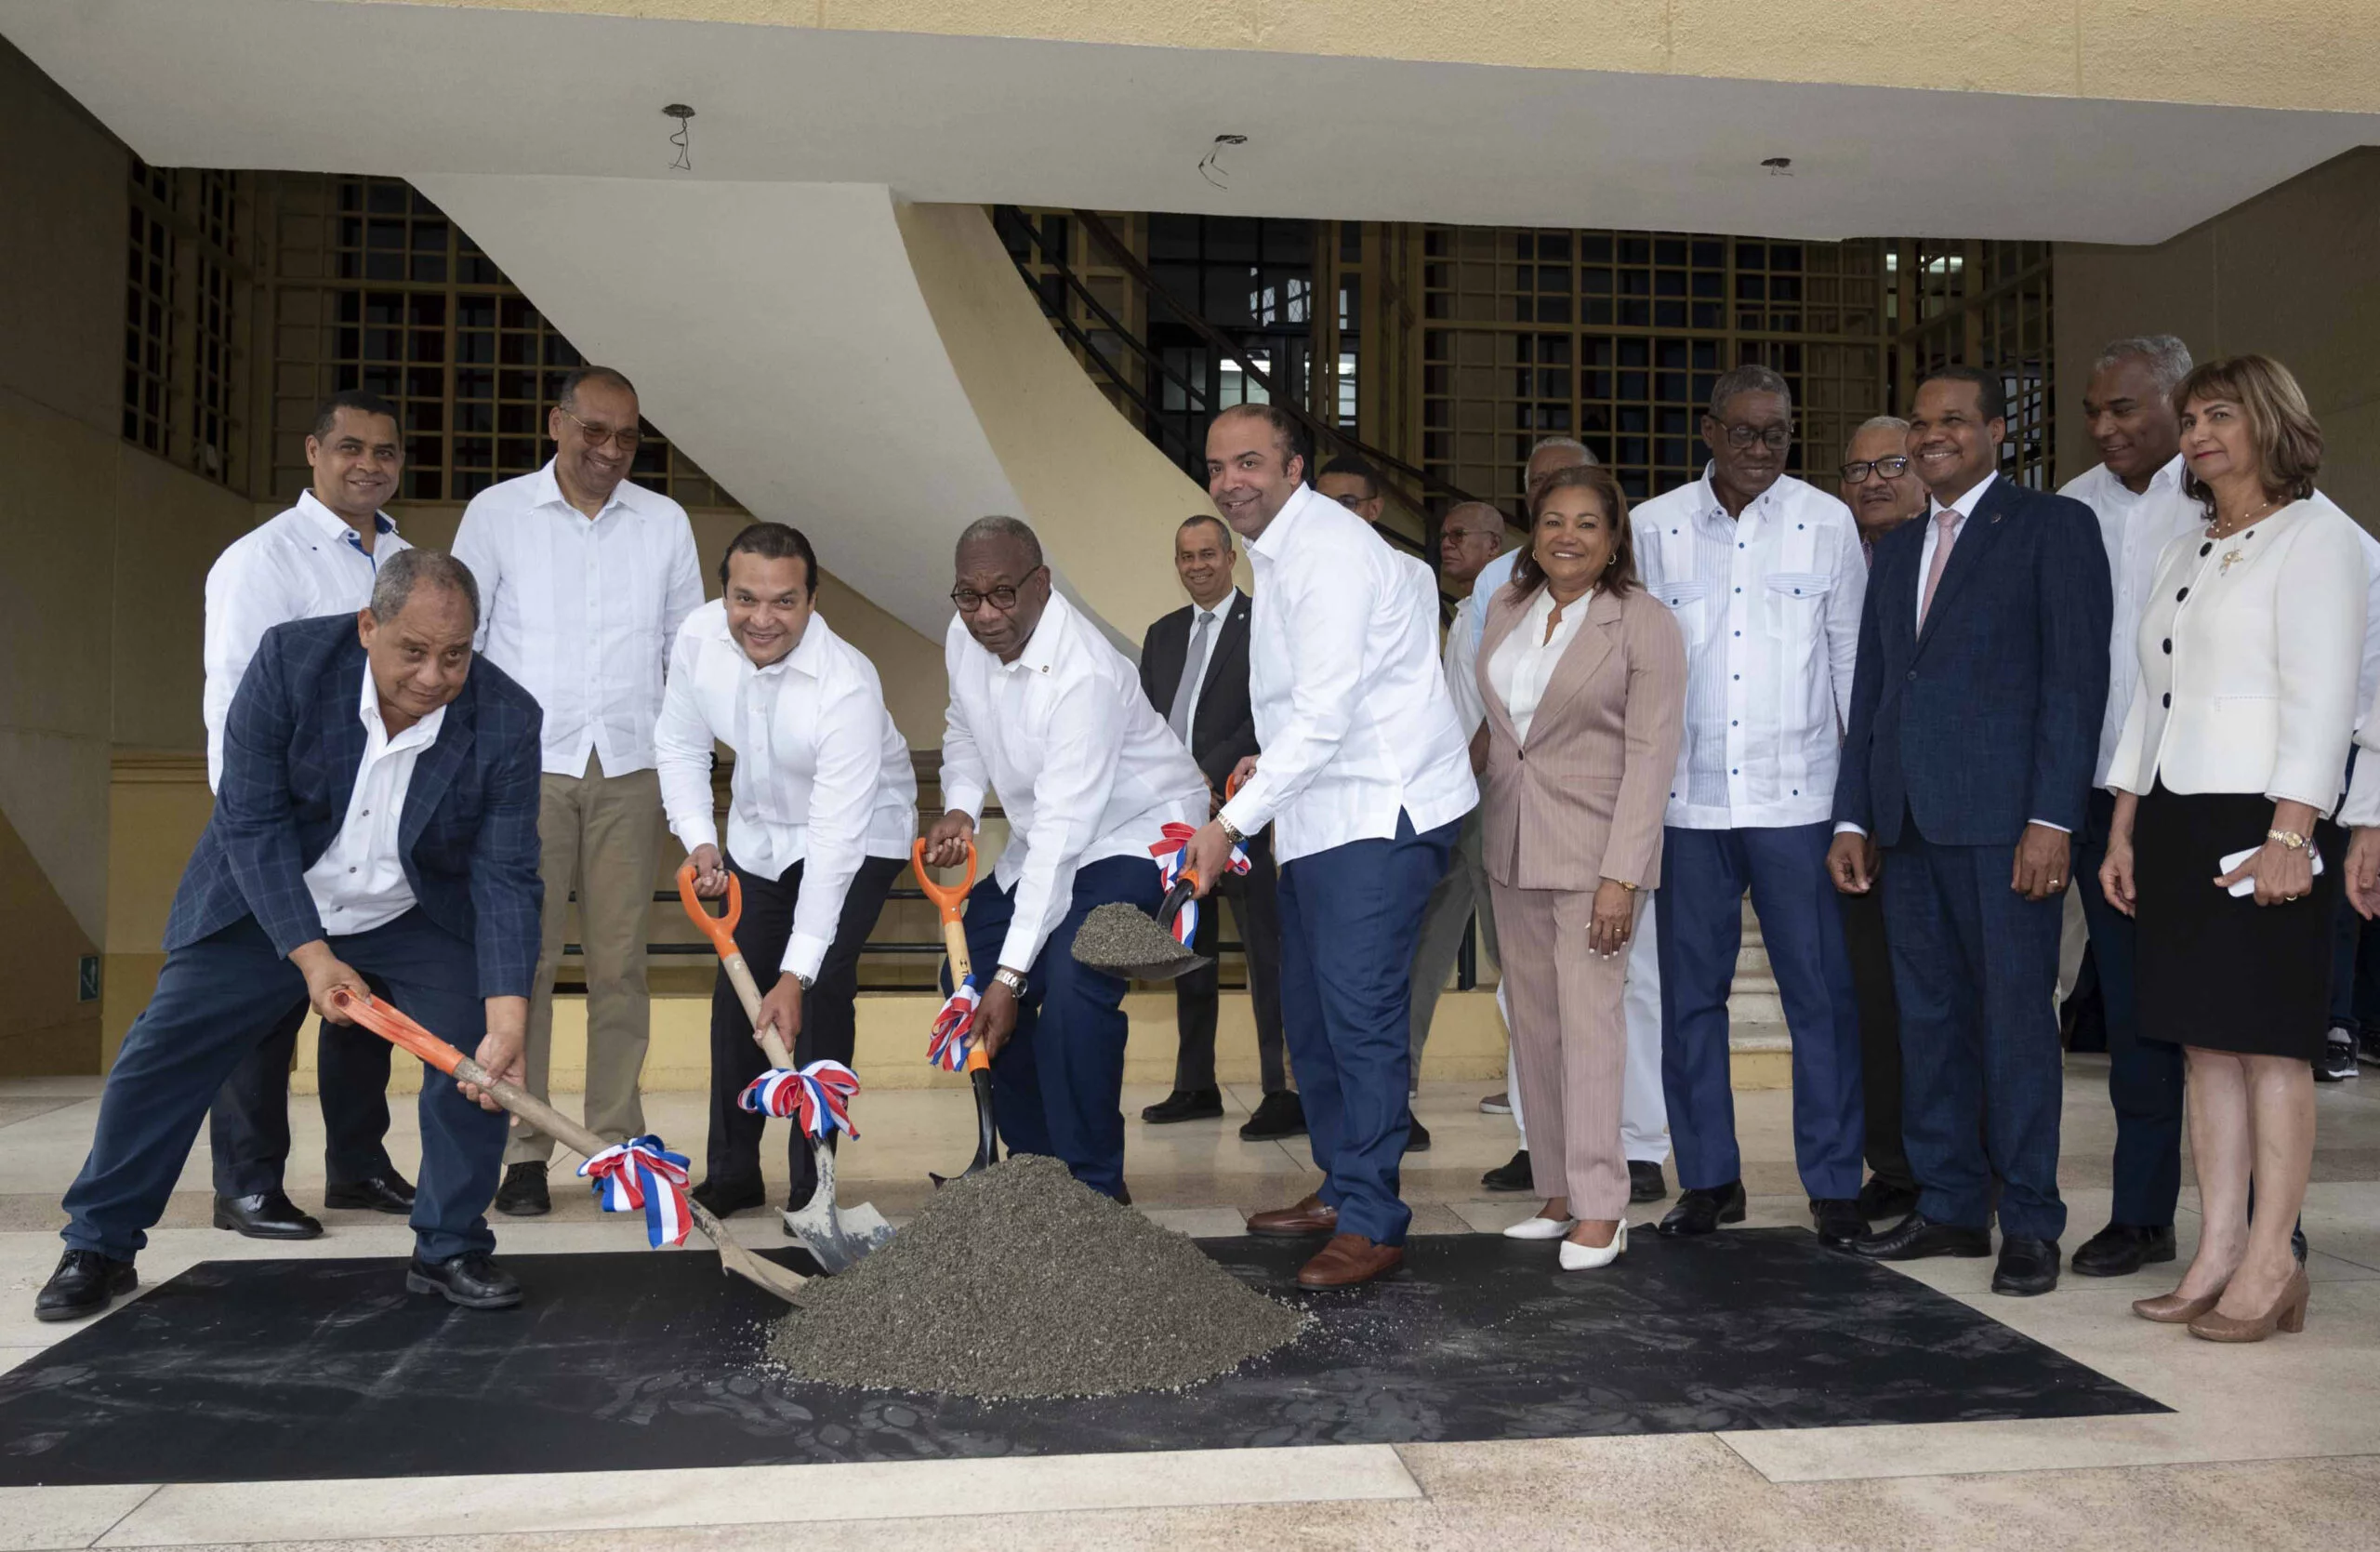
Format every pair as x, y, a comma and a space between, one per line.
1349, 1259
1309, 1216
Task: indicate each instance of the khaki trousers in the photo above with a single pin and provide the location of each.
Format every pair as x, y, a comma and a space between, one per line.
1569, 1045
598, 836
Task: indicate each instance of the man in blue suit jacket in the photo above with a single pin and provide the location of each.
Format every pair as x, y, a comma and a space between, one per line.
376, 829
1975, 719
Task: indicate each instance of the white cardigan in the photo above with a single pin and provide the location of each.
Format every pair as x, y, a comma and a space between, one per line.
2250, 649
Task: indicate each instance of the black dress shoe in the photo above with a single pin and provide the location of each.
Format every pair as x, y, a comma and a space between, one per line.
1881, 1199
2122, 1249
1185, 1105
1701, 1211
1277, 1115
723, 1199
1646, 1181
472, 1280
1514, 1174
2026, 1267
379, 1193
266, 1215
1416, 1136
522, 1195
1917, 1237
84, 1283
1838, 1221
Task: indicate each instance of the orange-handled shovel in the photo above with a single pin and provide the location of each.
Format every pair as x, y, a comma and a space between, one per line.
835, 1240
400, 1031
949, 902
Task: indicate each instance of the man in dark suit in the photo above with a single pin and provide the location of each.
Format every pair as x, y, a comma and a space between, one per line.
375, 830
1193, 668
1974, 721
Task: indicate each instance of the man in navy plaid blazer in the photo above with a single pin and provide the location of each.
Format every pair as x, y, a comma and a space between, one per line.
376, 828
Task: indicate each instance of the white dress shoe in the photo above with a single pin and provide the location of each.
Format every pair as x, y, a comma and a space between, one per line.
1540, 1229
1586, 1258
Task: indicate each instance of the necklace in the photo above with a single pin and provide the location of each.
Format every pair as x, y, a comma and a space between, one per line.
2216, 530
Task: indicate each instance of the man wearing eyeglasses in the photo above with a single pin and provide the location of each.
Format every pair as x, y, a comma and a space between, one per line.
1046, 713
1764, 577
584, 578
1884, 492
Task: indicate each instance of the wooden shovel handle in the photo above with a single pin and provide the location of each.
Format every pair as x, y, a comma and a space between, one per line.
720, 930
399, 1029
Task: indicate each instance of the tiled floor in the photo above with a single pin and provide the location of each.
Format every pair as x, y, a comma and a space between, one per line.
2270, 1446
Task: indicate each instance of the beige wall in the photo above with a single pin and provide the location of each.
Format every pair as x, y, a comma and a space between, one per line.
2293, 273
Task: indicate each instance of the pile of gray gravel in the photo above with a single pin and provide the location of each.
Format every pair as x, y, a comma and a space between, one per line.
1022, 1282
1117, 937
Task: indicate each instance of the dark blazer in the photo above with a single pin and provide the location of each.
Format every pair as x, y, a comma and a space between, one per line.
292, 745
1222, 730
1991, 718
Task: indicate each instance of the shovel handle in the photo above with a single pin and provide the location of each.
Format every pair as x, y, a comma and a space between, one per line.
720, 930
949, 902
399, 1029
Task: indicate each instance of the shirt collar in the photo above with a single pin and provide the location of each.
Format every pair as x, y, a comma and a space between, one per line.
368, 710
1220, 613
1964, 506
548, 493
1713, 510
1275, 536
1042, 647
310, 508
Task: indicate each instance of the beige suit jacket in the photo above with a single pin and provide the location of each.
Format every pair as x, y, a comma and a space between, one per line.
1581, 801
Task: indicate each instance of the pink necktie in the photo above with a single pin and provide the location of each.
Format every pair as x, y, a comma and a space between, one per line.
1947, 521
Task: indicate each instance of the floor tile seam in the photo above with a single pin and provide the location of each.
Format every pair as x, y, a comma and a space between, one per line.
154, 1489
1981, 1472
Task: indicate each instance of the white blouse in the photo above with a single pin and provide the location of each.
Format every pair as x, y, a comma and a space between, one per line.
1525, 661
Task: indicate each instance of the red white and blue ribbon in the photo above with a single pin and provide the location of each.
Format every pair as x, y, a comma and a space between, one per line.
1168, 852
954, 1028
643, 1172
818, 1097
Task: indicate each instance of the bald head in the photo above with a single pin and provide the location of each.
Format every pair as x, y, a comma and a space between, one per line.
1469, 537
1546, 459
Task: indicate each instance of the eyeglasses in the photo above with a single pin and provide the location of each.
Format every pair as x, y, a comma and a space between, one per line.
624, 439
1885, 468
1003, 597
1775, 438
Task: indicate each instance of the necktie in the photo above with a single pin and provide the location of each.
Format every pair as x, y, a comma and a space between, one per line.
1947, 522
1193, 664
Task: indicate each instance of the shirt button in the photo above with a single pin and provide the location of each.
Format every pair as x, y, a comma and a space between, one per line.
1912, 676
2206, 550
2168, 646
2181, 595
353, 869
2169, 697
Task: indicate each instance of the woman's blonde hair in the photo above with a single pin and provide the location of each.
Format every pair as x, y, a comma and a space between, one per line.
2284, 431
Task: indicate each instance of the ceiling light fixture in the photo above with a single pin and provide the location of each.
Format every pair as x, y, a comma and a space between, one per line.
1210, 166
681, 137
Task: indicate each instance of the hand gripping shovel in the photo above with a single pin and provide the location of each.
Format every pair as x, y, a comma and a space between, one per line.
835, 1240
950, 1026
400, 1031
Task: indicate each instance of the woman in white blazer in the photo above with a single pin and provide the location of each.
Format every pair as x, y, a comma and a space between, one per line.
2234, 745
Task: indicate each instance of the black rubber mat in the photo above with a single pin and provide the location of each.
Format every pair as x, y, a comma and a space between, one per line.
274, 1370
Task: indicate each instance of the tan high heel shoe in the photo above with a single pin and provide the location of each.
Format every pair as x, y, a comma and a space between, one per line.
2288, 1313
2172, 1310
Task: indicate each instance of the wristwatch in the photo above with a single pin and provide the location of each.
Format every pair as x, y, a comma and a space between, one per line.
1012, 979
1231, 831
2288, 838
807, 981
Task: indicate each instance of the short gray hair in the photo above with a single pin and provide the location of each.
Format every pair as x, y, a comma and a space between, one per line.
1014, 529
1878, 423
1751, 378
1567, 444
2168, 359
394, 586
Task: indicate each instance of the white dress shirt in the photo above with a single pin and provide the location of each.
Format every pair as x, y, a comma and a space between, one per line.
582, 611
821, 777
1484, 588
2135, 529
1215, 619
305, 563
1084, 766
1351, 702
360, 883
1461, 652
2250, 648
1523, 664
1768, 605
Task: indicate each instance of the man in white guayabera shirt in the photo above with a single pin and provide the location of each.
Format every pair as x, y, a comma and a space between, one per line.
584, 578
1365, 779
320, 557
823, 807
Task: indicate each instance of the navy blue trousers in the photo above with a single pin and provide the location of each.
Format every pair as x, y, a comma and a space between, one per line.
2144, 1077
1058, 1085
216, 1001
1704, 876
1974, 965
1350, 917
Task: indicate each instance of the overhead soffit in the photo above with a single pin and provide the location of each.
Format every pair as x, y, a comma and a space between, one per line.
1629, 137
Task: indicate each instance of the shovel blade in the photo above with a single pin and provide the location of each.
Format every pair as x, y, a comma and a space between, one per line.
733, 1258
837, 1238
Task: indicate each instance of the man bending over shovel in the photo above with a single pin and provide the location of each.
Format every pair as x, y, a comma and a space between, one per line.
1044, 712
375, 830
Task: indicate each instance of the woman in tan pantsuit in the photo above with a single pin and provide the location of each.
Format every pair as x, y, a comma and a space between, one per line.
1584, 679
